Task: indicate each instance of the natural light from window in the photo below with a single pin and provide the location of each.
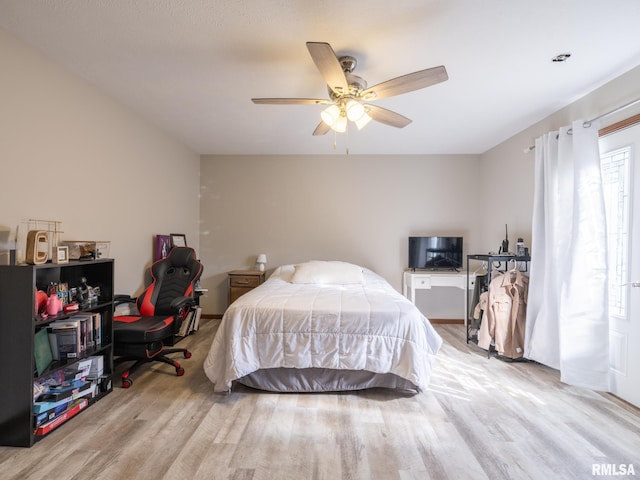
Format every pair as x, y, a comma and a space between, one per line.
616, 175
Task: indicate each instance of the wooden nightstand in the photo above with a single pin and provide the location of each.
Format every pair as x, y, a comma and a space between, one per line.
243, 281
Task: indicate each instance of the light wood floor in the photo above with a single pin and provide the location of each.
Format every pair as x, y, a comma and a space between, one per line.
483, 418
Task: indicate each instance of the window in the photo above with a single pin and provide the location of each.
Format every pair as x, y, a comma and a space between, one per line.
616, 175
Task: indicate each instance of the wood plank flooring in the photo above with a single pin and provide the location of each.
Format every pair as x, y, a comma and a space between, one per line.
481, 419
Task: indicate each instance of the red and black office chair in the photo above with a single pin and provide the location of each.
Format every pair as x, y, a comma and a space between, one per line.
162, 307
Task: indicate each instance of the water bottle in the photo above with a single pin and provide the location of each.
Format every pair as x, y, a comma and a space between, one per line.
520, 247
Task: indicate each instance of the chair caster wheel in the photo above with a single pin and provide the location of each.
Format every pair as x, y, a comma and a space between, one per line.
179, 371
187, 354
126, 382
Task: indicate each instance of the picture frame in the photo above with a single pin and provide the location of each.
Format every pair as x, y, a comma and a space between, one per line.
60, 254
178, 240
162, 247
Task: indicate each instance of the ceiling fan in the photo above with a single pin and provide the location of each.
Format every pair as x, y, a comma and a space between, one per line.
349, 93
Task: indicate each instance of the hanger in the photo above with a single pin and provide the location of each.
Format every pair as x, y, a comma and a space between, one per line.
513, 271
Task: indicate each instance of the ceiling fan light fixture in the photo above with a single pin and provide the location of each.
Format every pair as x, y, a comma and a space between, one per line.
363, 121
355, 110
330, 115
340, 125
349, 94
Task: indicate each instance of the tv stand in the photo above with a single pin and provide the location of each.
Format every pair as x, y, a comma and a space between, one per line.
427, 279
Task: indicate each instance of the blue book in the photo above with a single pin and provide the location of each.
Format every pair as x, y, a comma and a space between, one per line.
40, 418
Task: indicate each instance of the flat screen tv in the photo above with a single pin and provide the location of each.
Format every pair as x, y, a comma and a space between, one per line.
433, 253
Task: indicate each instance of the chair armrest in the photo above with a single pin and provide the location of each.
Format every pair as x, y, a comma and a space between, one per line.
181, 302
120, 299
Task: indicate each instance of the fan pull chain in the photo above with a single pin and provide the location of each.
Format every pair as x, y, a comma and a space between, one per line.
347, 140
335, 140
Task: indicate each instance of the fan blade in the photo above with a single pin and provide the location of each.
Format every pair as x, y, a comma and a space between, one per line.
406, 83
325, 59
387, 117
291, 101
321, 129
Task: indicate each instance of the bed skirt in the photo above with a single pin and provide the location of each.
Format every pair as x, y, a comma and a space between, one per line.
288, 380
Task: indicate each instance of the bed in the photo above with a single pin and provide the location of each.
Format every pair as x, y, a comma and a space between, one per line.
320, 327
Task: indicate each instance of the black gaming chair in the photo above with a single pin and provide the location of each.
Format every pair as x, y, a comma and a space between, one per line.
162, 307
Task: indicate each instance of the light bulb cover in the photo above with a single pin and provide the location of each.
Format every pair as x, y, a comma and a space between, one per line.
330, 115
363, 121
340, 125
355, 110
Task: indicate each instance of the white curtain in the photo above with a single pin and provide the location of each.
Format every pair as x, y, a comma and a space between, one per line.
567, 312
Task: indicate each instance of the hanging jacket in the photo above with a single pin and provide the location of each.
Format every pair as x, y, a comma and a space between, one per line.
480, 287
505, 316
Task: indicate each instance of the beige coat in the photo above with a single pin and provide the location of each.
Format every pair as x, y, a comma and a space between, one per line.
505, 315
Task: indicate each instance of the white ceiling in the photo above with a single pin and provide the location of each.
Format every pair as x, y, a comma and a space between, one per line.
192, 66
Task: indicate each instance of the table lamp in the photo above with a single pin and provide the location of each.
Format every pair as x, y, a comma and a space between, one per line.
262, 259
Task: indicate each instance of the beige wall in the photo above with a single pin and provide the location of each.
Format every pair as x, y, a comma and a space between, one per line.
70, 153
507, 171
362, 208
354, 208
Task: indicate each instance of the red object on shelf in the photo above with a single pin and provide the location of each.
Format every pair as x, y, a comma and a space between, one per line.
56, 422
41, 301
71, 307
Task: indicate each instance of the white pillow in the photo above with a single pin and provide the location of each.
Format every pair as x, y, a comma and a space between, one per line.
327, 272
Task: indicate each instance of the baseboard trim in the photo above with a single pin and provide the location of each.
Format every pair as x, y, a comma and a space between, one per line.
216, 316
457, 321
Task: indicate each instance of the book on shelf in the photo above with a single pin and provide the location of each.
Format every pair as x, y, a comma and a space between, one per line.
39, 407
81, 369
65, 339
42, 351
90, 329
191, 322
196, 320
53, 344
97, 328
40, 418
83, 340
97, 366
70, 337
186, 324
66, 390
66, 385
73, 410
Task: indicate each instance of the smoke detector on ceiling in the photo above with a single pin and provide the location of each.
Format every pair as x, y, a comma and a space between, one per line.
563, 57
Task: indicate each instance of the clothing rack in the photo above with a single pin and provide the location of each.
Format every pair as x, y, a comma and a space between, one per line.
493, 264
588, 123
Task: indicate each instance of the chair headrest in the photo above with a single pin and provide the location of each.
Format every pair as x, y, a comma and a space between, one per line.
181, 256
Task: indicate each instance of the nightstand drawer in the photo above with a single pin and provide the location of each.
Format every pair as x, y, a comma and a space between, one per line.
244, 281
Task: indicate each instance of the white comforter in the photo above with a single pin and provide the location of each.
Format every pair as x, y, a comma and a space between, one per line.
367, 326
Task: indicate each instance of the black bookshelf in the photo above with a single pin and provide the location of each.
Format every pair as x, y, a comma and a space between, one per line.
19, 322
